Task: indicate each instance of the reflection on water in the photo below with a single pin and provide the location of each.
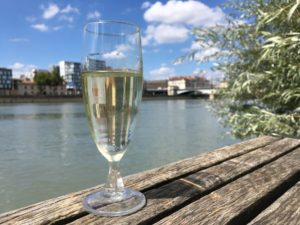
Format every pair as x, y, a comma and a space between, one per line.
46, 149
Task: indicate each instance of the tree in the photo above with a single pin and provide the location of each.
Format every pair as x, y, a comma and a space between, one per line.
56, 79
42, 79
259, 55
45, 78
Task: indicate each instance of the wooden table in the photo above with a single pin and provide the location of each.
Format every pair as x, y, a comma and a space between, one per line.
253, 182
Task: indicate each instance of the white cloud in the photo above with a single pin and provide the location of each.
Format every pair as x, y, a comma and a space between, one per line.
56, 28
198, 71
120, 52
123, 48
162, 73
19, 40
17, 66
215, 76
171, 22
70, 9
196, 46
199, 45
66, 14
202, 50
20, 68
145, 5
146, 40
93, 15
165, 33
50, 11
40, 26
206, 52
189, 12
69, 19
114, 55
31, 19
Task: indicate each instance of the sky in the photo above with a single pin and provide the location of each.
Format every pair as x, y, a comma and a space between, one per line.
38, 34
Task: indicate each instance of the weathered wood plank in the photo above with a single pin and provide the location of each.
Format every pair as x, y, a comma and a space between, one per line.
285, 210
163, 199
240, 197
70, 205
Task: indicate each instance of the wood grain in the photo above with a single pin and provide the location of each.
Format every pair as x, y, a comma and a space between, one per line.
67, 207
224, 205
166, 198
286, 210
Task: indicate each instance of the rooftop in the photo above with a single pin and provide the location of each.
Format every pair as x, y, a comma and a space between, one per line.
2, 68
187, 78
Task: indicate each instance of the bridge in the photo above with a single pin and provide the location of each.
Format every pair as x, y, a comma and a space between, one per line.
196, 91
191, 91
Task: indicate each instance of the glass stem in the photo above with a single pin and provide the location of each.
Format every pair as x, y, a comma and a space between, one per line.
114, 181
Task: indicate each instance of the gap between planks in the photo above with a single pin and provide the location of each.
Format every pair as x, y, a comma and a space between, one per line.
240, 201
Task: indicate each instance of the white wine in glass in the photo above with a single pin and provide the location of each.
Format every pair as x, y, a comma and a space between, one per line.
112, 82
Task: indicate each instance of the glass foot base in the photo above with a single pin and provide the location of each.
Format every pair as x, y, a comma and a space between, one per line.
105, 203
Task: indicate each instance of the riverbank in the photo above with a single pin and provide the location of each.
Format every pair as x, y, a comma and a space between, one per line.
39, 99
58, 99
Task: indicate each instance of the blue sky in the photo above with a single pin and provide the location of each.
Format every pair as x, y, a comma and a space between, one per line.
37, 34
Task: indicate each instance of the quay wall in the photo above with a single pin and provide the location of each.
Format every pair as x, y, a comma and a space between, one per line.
58, 99
39, 99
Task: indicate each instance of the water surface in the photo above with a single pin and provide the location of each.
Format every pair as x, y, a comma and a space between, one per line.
46, 149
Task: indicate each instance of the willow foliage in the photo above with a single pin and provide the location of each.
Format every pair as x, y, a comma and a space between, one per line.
259, 54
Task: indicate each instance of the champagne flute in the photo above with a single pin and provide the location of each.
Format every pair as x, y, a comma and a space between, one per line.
112, 79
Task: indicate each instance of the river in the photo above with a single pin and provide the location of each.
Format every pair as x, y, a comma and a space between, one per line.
46, 149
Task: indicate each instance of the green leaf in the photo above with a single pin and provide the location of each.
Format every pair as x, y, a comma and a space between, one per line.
292, 10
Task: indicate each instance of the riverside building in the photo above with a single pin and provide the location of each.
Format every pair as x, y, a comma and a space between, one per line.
94, 64
187, 84
5, 81
71, 73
